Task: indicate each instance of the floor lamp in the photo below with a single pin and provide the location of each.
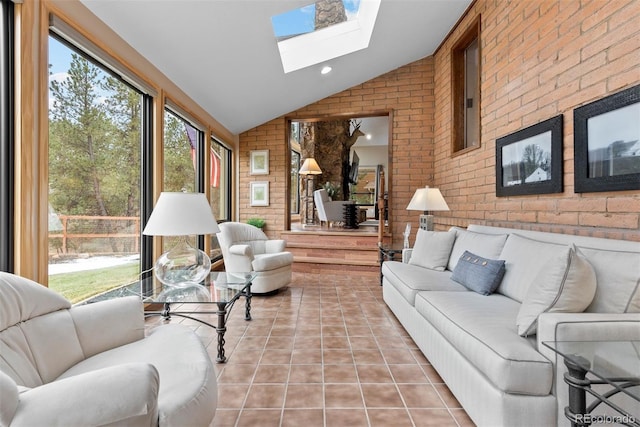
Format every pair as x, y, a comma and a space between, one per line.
427, 199
309, 169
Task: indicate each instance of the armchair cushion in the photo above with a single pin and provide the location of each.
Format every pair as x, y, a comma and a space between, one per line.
25, 299
266, 262
125, 394
8, 399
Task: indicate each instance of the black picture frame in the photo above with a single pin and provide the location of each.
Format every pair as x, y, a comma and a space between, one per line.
529, 161
607, 143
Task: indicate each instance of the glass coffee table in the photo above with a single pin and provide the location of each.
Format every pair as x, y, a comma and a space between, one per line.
611, 364
220, 289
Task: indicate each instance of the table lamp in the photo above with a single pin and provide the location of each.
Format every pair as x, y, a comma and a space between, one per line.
182, 214
427, 199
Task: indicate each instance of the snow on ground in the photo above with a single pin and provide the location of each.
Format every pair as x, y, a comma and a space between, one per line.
92, 263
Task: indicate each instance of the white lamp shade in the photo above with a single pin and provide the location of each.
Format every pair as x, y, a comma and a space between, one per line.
181, 214
427, 199
310, 167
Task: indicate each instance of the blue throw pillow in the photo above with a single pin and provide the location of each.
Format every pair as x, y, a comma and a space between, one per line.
478, 274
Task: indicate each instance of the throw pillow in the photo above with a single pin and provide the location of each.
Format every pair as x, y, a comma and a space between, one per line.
432, 249
565, 284
478, 274
485, 245
618, 277
525, 258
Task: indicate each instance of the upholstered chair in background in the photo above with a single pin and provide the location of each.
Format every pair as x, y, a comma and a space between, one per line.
329, 210
246, 248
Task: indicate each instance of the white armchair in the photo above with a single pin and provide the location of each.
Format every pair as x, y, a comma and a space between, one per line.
92, 364
328, 210
246, 248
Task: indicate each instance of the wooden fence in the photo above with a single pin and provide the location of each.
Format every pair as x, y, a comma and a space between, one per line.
99, 230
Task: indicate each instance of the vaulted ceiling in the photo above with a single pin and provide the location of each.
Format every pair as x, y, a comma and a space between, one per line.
223, 53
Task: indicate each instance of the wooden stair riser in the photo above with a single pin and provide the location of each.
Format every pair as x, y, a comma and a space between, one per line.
333, 252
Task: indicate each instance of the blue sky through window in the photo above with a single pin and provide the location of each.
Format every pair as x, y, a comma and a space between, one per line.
302, 20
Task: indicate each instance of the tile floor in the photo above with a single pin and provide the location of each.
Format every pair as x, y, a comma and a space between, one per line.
325, 352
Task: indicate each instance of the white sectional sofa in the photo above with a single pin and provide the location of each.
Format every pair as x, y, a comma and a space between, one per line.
92, 364
488, 348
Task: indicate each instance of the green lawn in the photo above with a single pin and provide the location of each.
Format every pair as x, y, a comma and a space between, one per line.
81, 285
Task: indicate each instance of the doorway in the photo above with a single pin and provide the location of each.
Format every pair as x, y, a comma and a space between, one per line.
353, 152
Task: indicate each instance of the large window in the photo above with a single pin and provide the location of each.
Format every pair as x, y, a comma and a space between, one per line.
220, 183
6, 135
466, 90
95, 142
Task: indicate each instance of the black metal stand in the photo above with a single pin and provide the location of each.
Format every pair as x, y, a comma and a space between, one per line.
578, 412
350, 217
224, 309
386, 254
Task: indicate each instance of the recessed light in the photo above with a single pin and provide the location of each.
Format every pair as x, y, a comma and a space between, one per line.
326, 69
368, 136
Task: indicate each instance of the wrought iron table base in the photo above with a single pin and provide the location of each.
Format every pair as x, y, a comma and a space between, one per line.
224, 309
578, 412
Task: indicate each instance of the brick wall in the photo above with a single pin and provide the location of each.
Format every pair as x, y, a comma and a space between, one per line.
406, 92
539, 59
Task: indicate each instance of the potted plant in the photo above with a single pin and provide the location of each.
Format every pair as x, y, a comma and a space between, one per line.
331, 189
257, 222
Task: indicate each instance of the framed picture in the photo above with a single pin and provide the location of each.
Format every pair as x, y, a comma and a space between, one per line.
607, 143
529, 161
260, 162
260, 193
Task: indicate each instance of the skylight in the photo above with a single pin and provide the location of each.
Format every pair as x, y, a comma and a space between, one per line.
301, 46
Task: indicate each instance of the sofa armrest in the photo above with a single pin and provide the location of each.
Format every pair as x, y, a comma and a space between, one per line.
119, 395
406, 255
108, 324
274, 246
587, 327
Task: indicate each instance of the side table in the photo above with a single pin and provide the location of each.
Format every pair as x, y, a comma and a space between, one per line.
220, 290
614, 364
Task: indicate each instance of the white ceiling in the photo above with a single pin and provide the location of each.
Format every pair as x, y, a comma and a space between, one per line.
223, 54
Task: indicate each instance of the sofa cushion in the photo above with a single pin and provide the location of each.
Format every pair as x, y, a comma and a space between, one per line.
410, 279
483, 330
432, 249
565, 284
478, 274
484, 245
618, 277
524, 259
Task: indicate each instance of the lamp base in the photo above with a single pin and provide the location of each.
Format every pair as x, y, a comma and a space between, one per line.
183, 265
426, 222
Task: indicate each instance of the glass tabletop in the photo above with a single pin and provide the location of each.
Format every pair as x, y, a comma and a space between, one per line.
219, 287
611, 361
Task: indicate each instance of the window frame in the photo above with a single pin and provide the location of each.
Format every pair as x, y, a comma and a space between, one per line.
459, 144
81, 46
7, 150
